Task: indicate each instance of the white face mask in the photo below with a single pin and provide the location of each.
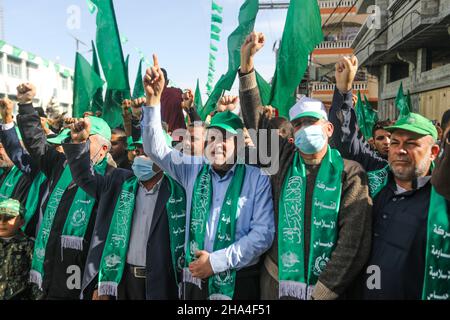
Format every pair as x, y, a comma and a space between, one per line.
310, 140
143, 168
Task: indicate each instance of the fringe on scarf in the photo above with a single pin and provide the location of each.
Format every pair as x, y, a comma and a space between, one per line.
107, 288
188, 277
71, 242
36, 278
218, 296
293, 289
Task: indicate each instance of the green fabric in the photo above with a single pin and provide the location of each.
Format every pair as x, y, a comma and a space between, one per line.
139, 91
79, 215
9, 183
33, 199
377, 180
37, 265
215, 37
309, 114
109, 46
370, 115
221, 286
228, 121
86, 85
264, 89
11, 207
97, 101
2, 44
63, 135
326, 198
436, 285
216, 18
247, 17
100, 127
91, 6
302, 33
198, 97
176, 213
361, 119
112, 61
216, 7
116, 246
402, 103
416, 123
31, 56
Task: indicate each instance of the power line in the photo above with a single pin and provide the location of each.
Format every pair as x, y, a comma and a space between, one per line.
335, 9
346, 14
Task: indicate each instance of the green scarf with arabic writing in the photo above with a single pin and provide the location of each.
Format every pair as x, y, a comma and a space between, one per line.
220, 286
436, 285
75, 226
326, 198
10, 182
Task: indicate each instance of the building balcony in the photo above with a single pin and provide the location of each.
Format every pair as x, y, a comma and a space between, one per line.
329, 6
326, 88
340, 44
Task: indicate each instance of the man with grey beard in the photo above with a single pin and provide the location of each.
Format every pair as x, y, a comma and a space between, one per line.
410, 256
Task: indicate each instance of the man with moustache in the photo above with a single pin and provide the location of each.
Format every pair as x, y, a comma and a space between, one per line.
411, 229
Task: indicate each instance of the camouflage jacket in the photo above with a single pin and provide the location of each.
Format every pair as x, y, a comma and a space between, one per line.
15, 264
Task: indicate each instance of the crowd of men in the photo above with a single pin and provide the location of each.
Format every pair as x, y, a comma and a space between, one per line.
144, 212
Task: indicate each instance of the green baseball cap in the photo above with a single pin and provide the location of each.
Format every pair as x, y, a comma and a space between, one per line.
415, 123
100, 127
228, 121
60, 137
12, 208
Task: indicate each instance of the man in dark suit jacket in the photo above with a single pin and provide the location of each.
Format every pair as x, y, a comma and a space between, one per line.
148, 272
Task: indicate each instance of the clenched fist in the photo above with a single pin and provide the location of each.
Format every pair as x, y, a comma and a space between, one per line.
26, 93
252, 44
227, 103
345, 74
80, 130
6, 110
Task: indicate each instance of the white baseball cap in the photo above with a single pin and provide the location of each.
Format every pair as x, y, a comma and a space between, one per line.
308, 107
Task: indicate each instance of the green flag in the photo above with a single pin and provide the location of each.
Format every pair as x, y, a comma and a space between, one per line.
370, 117
112, 60
97, 101
86, 84
360, 118
247, 17
264, 89
91, 6
302, 33
198, 97
138, 91
402, 103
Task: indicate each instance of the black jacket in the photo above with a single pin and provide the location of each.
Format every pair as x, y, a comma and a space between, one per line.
24, 162
9, 139
60, 266
161, 282
400, 221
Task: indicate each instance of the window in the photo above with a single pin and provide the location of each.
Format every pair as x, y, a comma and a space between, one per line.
14, 68
31, 70
397, 71
65, 83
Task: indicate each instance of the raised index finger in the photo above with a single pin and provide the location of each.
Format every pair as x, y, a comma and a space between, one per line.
155, 61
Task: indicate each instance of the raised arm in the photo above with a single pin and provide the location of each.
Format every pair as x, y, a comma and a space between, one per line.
33, 135
347, 138
180, 167
78, 158
11, 143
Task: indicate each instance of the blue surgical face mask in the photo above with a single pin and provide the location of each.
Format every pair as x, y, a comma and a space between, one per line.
310, 140
143, 168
